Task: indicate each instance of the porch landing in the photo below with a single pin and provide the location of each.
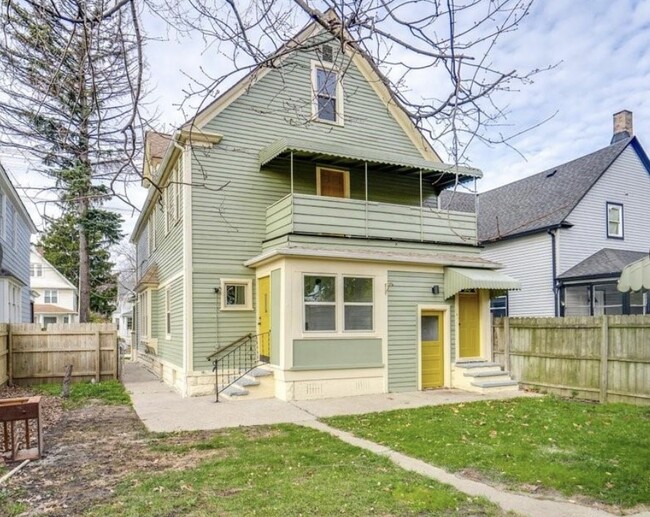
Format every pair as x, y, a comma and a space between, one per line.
162, 409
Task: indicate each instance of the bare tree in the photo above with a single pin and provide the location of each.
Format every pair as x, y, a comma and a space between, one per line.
71, 84
445, 44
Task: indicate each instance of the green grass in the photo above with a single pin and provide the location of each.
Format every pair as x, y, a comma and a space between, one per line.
109, 392
282, 470
576, 448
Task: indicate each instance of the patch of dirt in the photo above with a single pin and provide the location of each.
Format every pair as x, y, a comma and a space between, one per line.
88, 452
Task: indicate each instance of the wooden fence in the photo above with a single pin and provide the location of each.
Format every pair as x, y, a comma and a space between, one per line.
595, 358
29, 355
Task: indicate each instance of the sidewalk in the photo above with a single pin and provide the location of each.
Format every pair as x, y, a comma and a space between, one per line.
162, 409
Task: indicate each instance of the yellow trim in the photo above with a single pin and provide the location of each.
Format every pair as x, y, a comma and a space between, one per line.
432, 379
445, 310
472, 347
346, 180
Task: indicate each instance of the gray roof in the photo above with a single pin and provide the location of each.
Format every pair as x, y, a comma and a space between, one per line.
457, 201
543, 200
602, 263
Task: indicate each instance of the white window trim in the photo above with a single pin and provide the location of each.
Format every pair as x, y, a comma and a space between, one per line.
51, 291
152, 231
339, 304
247, 283
145, 296
621, 233
36, 270
14, 305
340, 119
346, 177
168, 315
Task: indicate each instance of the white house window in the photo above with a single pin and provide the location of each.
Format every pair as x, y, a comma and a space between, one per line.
51, 296
15, 305
36, 270
168, 315
172, 198
151, 228
338, 302
357, 303
236, 294
328, 94
615, 220
499, 306
13, 228
144, 309
320, 303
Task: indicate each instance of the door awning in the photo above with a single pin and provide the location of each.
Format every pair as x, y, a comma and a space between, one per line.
635, 276
457, 279
352, 153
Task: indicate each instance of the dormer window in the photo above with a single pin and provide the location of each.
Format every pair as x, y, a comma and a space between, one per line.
614, 220
327, 91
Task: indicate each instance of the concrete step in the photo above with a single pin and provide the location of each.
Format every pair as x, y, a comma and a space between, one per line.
260, 371
486, 373
233, 391
499, 386
476, 364
256, 384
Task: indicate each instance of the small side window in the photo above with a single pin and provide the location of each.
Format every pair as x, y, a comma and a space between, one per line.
237, 294
614, 220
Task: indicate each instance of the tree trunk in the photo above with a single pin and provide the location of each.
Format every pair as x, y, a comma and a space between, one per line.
67, 378
84, 266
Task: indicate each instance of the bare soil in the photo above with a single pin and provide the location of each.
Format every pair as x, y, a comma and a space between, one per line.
88, 452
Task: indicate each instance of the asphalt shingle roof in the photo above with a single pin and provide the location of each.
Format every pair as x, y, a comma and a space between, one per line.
458, 201
604, 262
545, 199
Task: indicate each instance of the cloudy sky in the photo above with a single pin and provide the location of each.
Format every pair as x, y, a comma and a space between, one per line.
602, 52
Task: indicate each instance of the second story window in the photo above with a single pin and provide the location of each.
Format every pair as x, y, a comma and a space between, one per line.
51, 296
36, 270
328, 101
614, 220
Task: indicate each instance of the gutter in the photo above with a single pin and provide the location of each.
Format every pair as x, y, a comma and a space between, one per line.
556, 298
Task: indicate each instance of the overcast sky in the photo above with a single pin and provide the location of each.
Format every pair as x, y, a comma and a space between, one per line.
602, 51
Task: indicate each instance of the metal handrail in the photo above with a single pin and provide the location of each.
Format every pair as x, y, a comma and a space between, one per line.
235, 360
229, 345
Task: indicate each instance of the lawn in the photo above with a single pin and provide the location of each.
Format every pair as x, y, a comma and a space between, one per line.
108, 392
576, 448
281, 470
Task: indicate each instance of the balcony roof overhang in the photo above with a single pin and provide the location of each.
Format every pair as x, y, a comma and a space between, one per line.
458, 279
447, 174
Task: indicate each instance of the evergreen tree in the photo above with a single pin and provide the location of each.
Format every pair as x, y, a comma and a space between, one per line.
70, 86
60, 247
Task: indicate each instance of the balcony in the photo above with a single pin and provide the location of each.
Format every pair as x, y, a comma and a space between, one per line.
308, 214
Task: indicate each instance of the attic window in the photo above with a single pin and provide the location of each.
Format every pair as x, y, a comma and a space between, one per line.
327, 102
327, 53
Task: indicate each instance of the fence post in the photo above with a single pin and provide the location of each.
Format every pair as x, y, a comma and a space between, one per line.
604, 353
98, 363
10, 356
506, 342
118, 358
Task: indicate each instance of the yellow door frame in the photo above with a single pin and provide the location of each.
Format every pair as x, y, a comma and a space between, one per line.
264, 315
477, 346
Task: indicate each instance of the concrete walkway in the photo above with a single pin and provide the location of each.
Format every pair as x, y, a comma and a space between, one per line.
162, 410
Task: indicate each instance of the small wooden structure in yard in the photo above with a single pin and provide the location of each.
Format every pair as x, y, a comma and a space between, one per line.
21, 419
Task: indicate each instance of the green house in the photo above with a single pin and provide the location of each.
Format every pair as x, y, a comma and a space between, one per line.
300, 219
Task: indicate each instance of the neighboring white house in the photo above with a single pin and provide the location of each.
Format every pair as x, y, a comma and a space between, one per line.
123, 315
567, 233
55, 297
16, 228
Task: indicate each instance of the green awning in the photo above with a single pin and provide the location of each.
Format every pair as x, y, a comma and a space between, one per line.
635, 276
355, 153
457, 279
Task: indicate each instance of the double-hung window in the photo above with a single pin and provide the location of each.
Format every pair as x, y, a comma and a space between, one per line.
168, 315
36, 269
614, 220
333, 302
51, 296
327, 92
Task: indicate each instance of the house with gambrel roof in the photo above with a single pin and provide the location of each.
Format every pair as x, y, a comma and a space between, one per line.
567, 233
295, 222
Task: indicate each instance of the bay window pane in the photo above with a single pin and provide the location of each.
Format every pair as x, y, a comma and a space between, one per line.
319, 289
320, 317
358, 317
357, 290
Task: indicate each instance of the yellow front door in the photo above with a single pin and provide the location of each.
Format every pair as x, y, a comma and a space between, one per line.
431, 347
469, 344
264, 323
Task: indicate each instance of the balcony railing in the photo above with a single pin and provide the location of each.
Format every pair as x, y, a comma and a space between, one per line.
299, 213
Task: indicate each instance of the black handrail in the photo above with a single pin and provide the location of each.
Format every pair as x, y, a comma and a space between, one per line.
233, 361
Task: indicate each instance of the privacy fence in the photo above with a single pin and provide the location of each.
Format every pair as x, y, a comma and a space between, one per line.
603, 358
30, 355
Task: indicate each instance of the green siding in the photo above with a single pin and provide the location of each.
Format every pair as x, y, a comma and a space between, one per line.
229, 208
276, 313
328, 354
170, 349
407, 291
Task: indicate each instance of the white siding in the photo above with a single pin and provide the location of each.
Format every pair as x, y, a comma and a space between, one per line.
528, 259
626, 182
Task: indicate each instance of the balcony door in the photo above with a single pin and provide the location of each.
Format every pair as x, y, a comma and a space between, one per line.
332, 182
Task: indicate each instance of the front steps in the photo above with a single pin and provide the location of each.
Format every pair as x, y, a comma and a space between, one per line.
482, 377
256, 384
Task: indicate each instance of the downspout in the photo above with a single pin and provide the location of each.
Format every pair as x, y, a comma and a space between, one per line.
556, 307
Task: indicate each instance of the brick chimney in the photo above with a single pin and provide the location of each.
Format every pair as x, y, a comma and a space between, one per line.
623, 127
